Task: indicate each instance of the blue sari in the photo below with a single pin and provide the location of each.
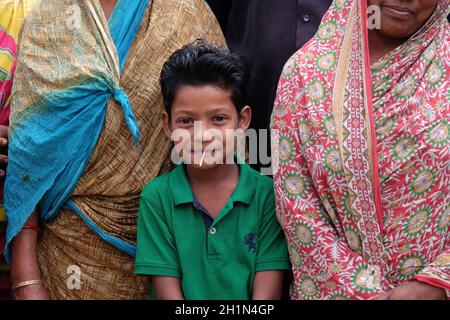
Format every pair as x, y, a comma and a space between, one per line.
52, 138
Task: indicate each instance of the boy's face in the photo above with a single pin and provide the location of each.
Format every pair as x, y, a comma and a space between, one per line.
203, 123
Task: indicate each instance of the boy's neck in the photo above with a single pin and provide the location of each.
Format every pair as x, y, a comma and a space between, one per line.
213, 176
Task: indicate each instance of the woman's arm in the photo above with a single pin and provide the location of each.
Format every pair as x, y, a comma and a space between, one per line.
3, 149
168, 288
430, 284
268, 285
25, 263
417, 290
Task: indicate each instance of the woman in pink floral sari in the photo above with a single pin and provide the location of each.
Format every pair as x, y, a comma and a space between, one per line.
361, 151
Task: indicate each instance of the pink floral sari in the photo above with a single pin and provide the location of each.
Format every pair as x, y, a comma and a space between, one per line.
362, 159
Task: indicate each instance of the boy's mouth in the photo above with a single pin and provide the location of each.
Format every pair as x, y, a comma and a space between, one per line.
201, 152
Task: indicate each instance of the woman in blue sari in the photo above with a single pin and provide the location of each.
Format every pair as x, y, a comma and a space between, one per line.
85, 137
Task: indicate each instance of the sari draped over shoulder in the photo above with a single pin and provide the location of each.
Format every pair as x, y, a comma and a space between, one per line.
361, 157
12, 14
86, 134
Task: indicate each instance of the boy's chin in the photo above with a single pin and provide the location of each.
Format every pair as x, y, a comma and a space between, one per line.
204, 166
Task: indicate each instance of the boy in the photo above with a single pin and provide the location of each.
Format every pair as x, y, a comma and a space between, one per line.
208, 229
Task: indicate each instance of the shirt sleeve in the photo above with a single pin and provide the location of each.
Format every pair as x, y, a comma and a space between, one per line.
272, 253
156, 250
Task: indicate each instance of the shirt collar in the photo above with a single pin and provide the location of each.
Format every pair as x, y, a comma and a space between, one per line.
182, 191
180, 187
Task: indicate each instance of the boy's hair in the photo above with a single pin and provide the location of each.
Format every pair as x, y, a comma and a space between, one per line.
201, 63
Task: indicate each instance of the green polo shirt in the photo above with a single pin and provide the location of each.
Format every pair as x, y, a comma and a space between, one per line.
216, 259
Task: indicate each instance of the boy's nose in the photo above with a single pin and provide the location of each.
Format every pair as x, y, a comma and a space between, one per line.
205, 133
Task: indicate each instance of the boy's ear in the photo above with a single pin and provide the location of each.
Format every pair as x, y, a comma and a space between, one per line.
166, 124
245, 116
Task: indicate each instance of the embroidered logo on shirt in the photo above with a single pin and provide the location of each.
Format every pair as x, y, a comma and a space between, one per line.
250, 242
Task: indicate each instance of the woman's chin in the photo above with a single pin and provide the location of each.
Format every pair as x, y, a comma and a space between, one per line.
397, 29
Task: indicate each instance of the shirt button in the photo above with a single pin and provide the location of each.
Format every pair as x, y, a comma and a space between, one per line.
306, 18
212, 231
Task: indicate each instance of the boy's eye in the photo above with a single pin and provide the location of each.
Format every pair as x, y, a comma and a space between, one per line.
185, 121
219, 118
